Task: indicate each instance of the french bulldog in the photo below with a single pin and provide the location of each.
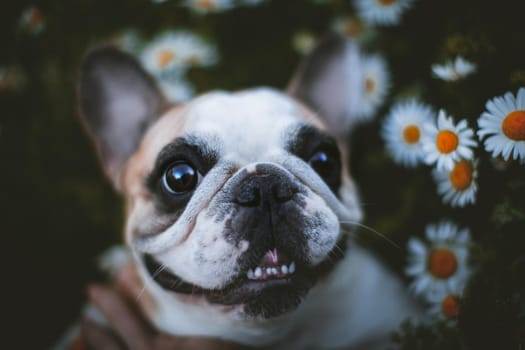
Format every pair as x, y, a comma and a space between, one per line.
240, 210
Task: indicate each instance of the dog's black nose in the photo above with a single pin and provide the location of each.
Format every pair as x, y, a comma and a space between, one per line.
264, 189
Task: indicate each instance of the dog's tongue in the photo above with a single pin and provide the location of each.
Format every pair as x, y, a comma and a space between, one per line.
274, 257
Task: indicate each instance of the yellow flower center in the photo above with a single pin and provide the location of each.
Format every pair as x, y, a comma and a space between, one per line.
442, 263
165, 57
370, 85
446, 141
387, 2
205, 4
450, 306
461, 175
411, 134
513, 126
36, 18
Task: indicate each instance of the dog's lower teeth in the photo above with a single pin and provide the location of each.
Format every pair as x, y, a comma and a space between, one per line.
291, 268
257, 272
261, 273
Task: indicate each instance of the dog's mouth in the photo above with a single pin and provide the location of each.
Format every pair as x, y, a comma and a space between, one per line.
277, 284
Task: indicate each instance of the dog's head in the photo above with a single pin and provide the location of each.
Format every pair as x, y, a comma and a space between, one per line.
234, 201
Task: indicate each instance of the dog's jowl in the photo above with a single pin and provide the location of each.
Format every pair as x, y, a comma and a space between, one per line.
240, 209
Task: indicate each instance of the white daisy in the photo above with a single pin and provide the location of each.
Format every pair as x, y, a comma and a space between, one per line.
173, 52
11, 79
352, 28
33, 20
381, 12
504, 123
458, 186
303, 42
454, 70
447, 143
402, 130
447, 308
114, 259
206, 6
375, 86
177, 90
439, 264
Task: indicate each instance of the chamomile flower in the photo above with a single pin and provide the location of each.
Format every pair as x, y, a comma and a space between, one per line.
381, 12
458, 186
439, 264
352, 28
114, 259
454, 70
504, 124
446, 142
447, 308
375, 86
11, 79
33, 20
175, 51
402, 131
177, 90
206, 6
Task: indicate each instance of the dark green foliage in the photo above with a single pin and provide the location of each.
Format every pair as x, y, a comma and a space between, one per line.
58, 212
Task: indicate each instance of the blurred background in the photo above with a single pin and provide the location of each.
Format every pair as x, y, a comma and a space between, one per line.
58, 213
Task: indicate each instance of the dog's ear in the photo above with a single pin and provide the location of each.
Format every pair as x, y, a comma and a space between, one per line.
329, 81
117, 101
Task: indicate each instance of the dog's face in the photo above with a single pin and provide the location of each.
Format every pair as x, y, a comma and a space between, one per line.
234, 200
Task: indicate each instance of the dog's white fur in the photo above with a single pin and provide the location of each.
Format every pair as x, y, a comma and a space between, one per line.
356, 306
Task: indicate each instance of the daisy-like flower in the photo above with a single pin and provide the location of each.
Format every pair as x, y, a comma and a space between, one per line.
504, 124
376, 82
33, 20
11, 79
447, 143
448, 307
381, 12
402, 131
114, 259
454, 70
177, 90
458, 186
303, 42
439, 264
173, 52
206, 6
352, 28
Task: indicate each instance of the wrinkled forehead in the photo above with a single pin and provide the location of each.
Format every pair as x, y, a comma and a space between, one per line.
243, 124
247, 124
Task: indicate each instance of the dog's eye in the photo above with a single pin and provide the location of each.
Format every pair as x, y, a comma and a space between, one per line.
180, 177
323, 163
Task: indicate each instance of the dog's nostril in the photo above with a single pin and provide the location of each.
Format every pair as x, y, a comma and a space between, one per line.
264, 189
282, 192
249, 196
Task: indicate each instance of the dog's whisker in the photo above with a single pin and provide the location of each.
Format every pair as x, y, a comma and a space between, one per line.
155, 274
355, 223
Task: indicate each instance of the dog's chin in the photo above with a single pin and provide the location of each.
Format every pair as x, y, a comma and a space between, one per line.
268, 292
